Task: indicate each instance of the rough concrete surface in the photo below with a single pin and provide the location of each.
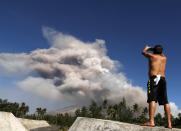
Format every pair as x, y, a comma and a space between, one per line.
33, 124
52, 128
91, 124
8, 122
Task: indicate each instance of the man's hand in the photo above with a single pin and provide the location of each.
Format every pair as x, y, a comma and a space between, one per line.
147, 47
145, 51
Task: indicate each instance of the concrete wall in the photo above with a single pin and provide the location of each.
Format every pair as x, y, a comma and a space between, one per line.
8, 122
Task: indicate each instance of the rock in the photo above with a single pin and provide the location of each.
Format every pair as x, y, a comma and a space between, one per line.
91, 124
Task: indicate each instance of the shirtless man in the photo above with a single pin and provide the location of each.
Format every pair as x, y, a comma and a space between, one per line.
156, 84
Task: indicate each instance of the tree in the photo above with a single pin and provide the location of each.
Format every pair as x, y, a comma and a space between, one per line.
104, 109
77, 113
159, 119
18, 111
111, 113
135, 111
143, 117
95, 110
23, 109
84, 112
105, 103
15, 110
179, 116
145, 111
124, 111
41, 112
177, 121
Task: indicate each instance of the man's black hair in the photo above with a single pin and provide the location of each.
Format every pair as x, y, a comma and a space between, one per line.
158, 49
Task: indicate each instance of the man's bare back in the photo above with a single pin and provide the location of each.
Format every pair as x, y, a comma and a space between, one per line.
157, 63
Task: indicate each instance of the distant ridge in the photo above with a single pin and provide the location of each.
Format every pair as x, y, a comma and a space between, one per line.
68, 109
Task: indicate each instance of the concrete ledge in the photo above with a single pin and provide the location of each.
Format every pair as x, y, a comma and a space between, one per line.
8, 122
91, 124
33, 124
52, 128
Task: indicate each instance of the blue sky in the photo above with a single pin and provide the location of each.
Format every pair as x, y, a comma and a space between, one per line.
126, 26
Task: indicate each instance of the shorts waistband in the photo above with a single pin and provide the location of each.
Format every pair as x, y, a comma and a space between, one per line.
154, 76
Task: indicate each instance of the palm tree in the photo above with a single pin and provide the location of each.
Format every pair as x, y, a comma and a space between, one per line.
135, 110
95, 110
143, 117
159, 119
104, 108
111, 112
84, 112
41, 112
105, 103
145, 111
16, 109
38, 111
135, 107
23, 109
179, 116
78, 112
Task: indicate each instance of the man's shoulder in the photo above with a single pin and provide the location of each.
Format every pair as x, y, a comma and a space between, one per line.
164, 56
159, 56
156, 57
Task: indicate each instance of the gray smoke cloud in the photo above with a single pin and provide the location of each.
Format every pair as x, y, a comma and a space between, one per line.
71, 70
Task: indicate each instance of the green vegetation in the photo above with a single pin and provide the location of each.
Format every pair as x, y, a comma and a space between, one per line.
118, 112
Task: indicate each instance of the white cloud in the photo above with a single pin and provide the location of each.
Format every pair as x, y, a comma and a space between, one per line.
174, 109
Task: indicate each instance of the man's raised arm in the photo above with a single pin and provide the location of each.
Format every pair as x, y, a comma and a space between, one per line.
146, 52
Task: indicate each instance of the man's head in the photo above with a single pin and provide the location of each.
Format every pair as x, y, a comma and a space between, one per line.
158, 49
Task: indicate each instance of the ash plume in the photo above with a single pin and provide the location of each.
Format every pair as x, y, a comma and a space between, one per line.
71, 70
